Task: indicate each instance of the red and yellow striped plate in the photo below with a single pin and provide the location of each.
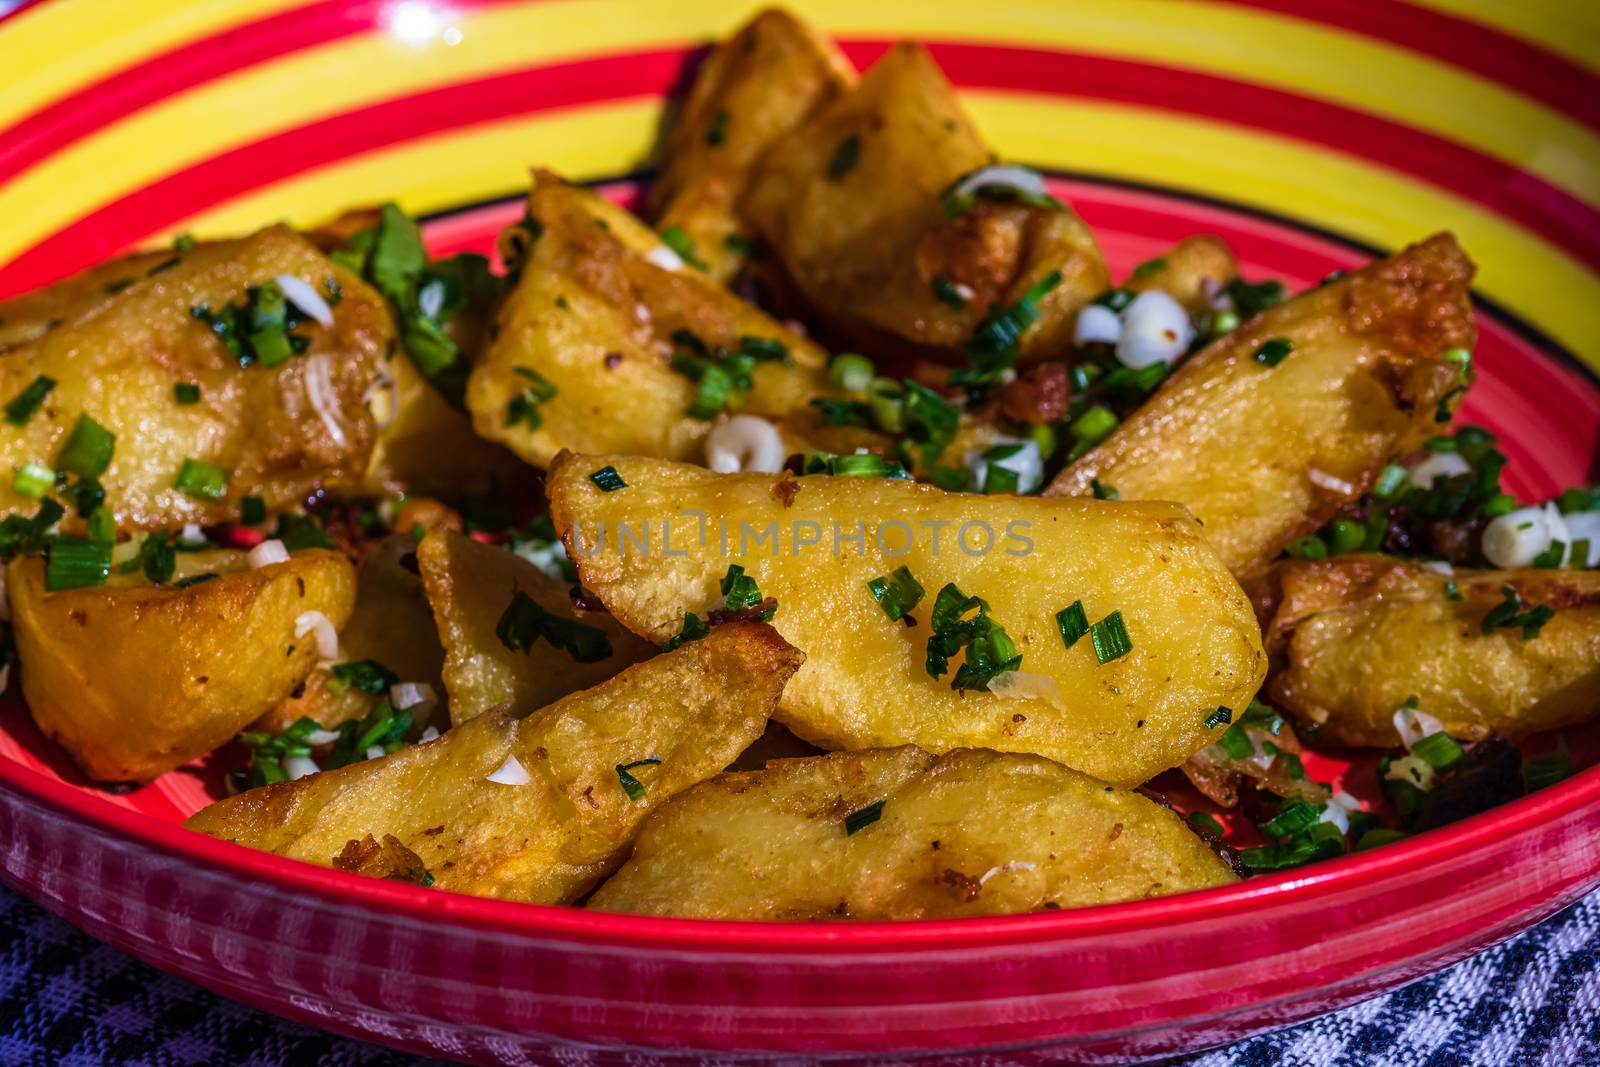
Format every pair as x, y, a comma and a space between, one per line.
1309, 136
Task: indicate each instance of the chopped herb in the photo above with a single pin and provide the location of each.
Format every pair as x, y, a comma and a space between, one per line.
1110, 638
1444, 409
1462, 358
18, 534
1390, 481
1343, 536
1509, 614
1102, 491
1439, 751
862, 818
954, 203
186, 393
102, 527
1273, 351
1452, 591
87, 495
525, 621
76, 563
1219, 717
929, 421
1149, 267
166, 264
845, 156
738, 244
1292, 818
1309, 547
677, 238
990, 650
33, 480
718, 131
1090, 428
524, 407
252, 511
184, 242
20, 408
300, 532
1206, 824
1320, 841
119, 285
88, 449
156, 558
844, 412
1547, 768
1551, 556
1072, 622
694, 628
994, 343
631, 785
1253, 298
897, 593
739, 591
607, 479
857, 465
203, 480
365, 675
948, 294
196, 579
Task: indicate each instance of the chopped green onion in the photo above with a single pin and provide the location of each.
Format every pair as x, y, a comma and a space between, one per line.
1321, 841
1508, 614
631, 785
1102, 491
845, 156
33, 480
862, 818
998, 479
1072, 622
365, 675
103, 526
184, 242
947, 294
607, 479
1110, 638
990, 650
88, 449
694, 628
851, 371
1462, 357
1345, 536
1308, 547
186, 393
1452, 591
1219, 717
1390, 482
887, 400
1235, 743
87, 494
196, 579
1546, 769
200, 479
1439, 751
1000, 332
1292, 818
76, 563
897, 593
1149, 267
677, 238
1093, 426
1252, 298
300, 532
717, 132
524, 621
20, 408
252, 511
524, 407
156, 558
1273, 351
843, 412
739, 589
1206, 824
1377, 837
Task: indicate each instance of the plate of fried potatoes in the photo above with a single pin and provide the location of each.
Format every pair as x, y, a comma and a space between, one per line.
590, 532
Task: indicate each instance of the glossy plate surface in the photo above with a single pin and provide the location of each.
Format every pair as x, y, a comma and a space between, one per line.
1307, 139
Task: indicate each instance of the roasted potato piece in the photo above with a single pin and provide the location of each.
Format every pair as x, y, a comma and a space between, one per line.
392, 625
28, 316
865, 684
278, 433
1192, 272
134, 679
1264, 454
752, 89
547, 840
1354, 637
901, 834
850, 202
595, 318
470, 586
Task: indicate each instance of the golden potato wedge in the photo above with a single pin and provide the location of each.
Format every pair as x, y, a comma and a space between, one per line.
134, 679
752, 89
850, 203
1352, 638
470, 586
28, 316
1264, 454
278, 433
594, 319
1192, 272
391, 625
902, 834
865, 684
550, 839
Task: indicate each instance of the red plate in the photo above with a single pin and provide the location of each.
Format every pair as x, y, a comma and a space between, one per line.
497, 982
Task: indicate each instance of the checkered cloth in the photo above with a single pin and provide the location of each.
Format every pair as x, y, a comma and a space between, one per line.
68, 1001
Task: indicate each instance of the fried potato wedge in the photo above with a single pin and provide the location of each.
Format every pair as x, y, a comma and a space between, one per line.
470, 586
850, 202
391, 625
1192, 272
1264, 454
594, 317
28, 316
752, 89
902, 834
279, 433
1354, 637
815, 542
134, 679
548, 840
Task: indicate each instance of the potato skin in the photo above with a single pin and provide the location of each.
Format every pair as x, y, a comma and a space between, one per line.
608, 351
1195, 640
752, 89
1237, 441
966, 833
469, 586
550, 840
118, 361
134, 680
859, 250
1351, 638
1192, 272
392, 624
